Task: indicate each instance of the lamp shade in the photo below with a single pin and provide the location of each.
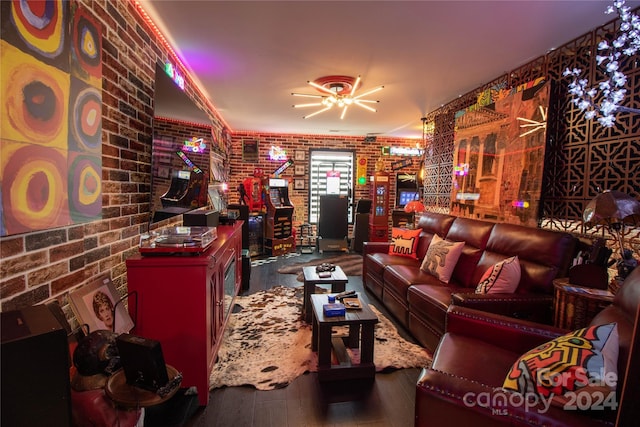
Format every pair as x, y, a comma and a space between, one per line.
414, 206
610, 207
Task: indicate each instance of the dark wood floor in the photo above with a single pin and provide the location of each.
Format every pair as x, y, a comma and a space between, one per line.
386, 401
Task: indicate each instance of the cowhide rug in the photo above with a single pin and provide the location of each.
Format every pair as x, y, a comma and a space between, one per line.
351, 264
267, 344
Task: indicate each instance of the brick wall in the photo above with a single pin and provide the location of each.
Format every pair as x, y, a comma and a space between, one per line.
46, 265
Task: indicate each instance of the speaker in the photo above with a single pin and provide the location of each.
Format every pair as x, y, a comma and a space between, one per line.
142, 361
363, 206
360, 231
35, 386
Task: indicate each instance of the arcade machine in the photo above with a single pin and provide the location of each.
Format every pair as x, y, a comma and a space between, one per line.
379, 218
279, 239
407, 190
187, 191
251, 195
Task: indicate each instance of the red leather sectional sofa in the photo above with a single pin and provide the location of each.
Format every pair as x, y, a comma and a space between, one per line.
478, 350
419, 301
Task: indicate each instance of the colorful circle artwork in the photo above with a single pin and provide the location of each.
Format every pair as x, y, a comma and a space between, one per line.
40, 24
34, 193
86, 119
85, 196
86, 44
34, 103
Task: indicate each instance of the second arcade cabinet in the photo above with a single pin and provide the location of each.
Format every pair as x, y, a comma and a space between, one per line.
278, 228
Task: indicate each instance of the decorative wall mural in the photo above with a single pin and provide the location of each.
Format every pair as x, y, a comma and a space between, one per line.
51, 80
499, 156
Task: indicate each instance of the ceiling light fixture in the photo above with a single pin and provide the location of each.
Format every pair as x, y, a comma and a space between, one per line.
338, 91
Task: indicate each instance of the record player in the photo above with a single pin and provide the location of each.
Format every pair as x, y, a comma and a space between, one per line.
177, 240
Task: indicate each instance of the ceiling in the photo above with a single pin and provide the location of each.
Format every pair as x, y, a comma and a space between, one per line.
249, 56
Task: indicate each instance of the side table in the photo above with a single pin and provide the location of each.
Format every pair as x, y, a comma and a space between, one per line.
338, 281
575, 306
361, 325
133, 397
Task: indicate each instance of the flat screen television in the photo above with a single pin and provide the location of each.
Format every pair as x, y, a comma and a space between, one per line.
406, 196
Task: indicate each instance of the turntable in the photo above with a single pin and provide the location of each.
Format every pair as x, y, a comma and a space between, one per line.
177, 240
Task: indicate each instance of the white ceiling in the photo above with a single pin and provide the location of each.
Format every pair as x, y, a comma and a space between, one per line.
248, 56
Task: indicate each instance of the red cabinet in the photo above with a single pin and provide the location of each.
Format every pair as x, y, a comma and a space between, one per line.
184, 301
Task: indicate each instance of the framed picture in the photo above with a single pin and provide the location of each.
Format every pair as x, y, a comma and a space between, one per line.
298, 170
250, 151
163, 172
299, 156
95, 306
298, 184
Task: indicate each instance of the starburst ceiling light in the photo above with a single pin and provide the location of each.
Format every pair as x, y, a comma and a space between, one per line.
339, 92
611, 91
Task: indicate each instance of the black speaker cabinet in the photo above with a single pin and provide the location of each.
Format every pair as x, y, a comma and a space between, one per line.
360, 231
142, 361
35, 369
200, 217
363, 206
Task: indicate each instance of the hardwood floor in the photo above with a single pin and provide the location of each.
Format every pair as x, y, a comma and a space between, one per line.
386, 401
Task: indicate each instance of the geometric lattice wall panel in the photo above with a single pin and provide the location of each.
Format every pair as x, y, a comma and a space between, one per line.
614, 165
438, 162
563, 214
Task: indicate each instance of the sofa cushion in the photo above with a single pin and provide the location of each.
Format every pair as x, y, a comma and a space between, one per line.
441, 258
475, 235
502, 277
544, 254
404, 242
583, 358
431, 301
376, 263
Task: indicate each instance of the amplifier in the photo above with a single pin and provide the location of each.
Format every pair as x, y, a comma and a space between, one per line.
142, 361
205, 218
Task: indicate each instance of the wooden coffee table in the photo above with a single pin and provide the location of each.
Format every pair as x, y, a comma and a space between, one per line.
361, 325
337, 280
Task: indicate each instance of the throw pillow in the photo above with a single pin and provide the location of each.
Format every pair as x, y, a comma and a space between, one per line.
441, 258
584, 360
503, 277
404, 242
